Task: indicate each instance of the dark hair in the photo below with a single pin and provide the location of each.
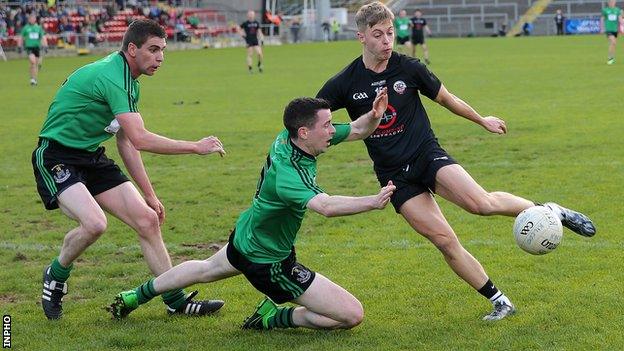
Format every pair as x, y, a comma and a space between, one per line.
139, 31
301, 112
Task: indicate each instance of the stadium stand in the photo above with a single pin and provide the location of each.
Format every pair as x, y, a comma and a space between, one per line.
97, 25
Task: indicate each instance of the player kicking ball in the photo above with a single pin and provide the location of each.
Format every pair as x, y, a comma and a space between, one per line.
262, 244
405, 150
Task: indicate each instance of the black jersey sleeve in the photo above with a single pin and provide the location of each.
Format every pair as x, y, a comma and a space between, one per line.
333, 93
426, 82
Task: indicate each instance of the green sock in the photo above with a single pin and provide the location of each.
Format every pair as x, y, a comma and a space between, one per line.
174, 298
58, 272
145, 291
282, 318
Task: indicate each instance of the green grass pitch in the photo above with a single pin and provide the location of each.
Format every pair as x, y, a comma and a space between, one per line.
563, 108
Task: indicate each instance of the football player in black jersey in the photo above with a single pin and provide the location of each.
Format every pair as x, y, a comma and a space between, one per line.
419, 27
251, 31
405, 150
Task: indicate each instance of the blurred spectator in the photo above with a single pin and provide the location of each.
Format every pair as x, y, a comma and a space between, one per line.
3, 29
527, 28
295, 26
559, 20
325, 27
181, 34
88, 31
502, 31
193, 20
335, 26
66, 30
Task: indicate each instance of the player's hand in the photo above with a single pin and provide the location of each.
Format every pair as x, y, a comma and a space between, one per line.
210, 145
381, 103
494, 125
156, 205
382, 199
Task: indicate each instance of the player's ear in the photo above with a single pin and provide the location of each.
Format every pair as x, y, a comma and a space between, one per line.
302, 133
360, 36
132, 49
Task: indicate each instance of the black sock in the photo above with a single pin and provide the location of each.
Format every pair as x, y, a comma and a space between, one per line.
489, 290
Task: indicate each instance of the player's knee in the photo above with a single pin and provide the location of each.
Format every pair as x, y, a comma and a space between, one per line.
95, 226
147, 223
447, 243
482, 205
354, 316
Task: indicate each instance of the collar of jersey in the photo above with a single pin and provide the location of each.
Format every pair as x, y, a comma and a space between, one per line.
123, 56
300, 151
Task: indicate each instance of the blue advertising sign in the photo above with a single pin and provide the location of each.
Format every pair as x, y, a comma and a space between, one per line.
582, 25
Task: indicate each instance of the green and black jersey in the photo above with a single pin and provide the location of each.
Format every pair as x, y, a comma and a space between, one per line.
32, 34
82, 114
266, 232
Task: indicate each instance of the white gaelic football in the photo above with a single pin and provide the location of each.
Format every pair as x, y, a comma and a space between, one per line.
538, 230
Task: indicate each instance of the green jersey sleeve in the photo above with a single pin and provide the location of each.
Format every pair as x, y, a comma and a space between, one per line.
342, 132
119, 98
295, 185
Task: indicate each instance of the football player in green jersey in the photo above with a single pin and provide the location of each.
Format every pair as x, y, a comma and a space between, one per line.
262, 244
95, 103
610, 25
32, 39
402, 26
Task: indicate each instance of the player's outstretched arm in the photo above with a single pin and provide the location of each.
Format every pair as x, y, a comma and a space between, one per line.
336, 205
144, 140
461, 108
134, 164
362, 127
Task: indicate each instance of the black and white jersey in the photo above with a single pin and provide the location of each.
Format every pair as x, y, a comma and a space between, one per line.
417, 25
559, 19
405, 127
251, 29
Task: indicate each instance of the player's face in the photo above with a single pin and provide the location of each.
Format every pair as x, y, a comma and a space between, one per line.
402, 13
378, 40
611, 3
32, 19
251, 15
321, 133
149, 56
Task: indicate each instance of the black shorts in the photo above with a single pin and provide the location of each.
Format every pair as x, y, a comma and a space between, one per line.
34, 51
281, 281
57, 167
251, 42
418, 176
615, 34
418, 39
402, 40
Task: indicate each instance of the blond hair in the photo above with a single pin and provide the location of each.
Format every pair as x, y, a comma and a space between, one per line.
371, 14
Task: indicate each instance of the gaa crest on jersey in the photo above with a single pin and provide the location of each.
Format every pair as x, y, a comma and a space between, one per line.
399, 86
61, 173
300, 273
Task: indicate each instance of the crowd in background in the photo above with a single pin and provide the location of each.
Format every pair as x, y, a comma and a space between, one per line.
92, 20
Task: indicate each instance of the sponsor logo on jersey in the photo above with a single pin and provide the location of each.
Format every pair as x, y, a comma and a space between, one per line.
399, 86
359, 96
61, 173
388, 118
378, 83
